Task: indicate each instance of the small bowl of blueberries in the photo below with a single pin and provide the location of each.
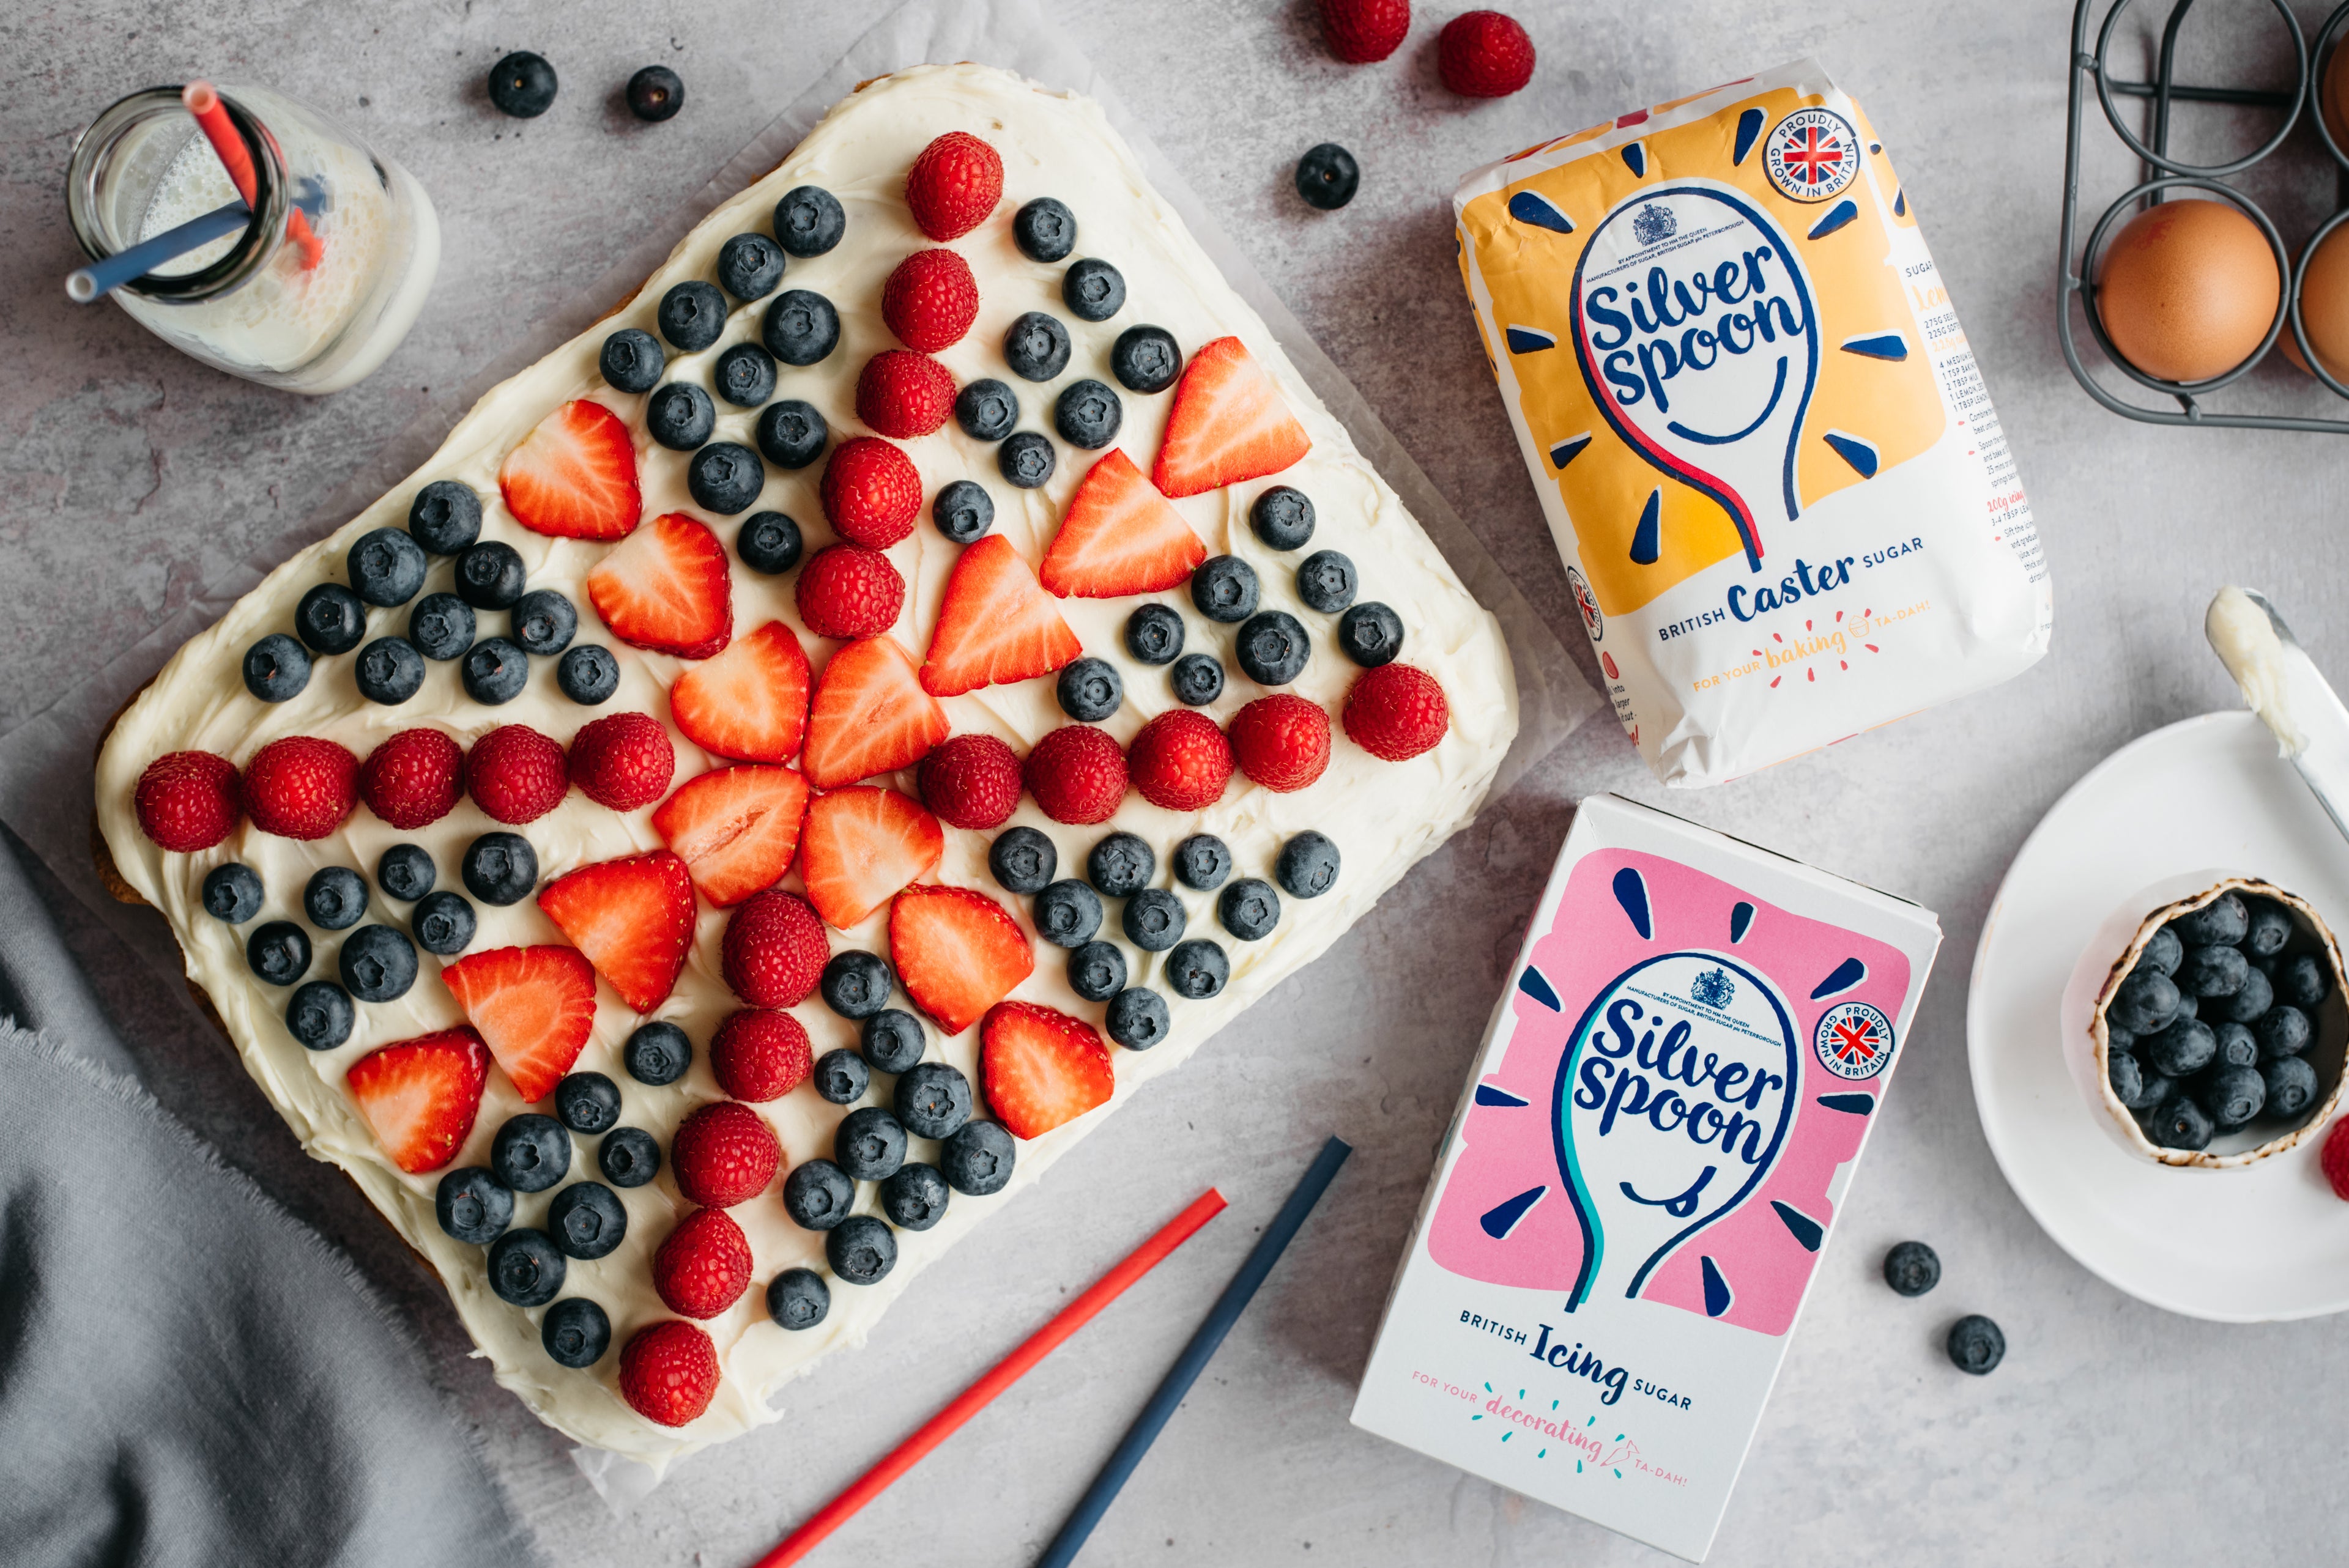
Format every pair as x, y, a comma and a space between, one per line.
2221, 1029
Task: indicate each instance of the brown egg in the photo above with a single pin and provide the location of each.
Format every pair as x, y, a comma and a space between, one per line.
2187, 289
2325, 307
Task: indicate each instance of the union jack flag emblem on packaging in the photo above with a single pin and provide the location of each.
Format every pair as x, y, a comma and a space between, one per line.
1853, 1040
1812, 155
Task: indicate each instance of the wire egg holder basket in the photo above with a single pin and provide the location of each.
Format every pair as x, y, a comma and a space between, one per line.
2091, 73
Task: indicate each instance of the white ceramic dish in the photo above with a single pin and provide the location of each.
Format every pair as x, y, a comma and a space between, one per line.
2265, 1242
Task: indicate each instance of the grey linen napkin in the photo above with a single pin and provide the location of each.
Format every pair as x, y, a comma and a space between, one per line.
188, 1374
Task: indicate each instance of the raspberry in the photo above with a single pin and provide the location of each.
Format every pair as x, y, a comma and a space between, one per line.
774, 951
723, 1154
971, 781
516, 775
1362, 31
848, 591
622, 760
188, 800
414, 779
1077, 774
2335, 1159
871, 491
669, 1373
930, 300
1396, 711
954, 185
760, 1055
301, 787
1181, 760
1282, 741
704, 1267
1483, 53
903, 394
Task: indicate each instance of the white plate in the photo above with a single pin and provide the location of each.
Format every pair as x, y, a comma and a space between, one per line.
2248, 1245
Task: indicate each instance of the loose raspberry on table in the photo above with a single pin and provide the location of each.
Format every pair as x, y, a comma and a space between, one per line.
187, 800
971, 781
2335, 1159
1483, 54
1362, 31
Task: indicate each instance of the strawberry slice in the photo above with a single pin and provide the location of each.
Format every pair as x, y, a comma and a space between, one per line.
534, 1007
420, 1096
996, 624
1228, 424
1120, 537
750, 702
633, 918
871, 715
956, 952
574, 477
665, 588
736, 830
1040, 1068
860, 846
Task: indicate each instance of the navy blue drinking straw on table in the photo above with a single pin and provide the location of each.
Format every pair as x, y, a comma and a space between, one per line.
1194, 1360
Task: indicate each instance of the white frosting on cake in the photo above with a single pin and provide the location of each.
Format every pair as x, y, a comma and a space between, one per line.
1383, 816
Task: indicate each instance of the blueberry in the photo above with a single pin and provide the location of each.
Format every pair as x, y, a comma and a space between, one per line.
1026, 460
745, 375
587, 1102
2214, 971
331, 619
1327, 582
1197, 969
628, 1156
2267, 927
855, 983
1976, 1345
440, 626
841, 1076
1326, 175
1224, 589
276, 668
2185, 1048
1202, 860
1198, 679
818, 1194
386, 566
1067, 914
1092, 290
2137, 1089
932, 1099
657, 1053
1249, 909
891, 1040
654, 94
389, 671
1121, 865
792, 433
2122, 1040
1153, 920
588, 673
2285, 1031
2179, 1123
2252, 1001
632, 360
749, 267
525, 1268
473, 1205
1273, 648
233, 892
861, 1249
2221, 923
445, 516
2238, 1046
1035, 346
2291, 1085
2145, 1001
320, 1014
1097, 971
725, 478
1154, 634
1022, 860
1044, 230
691, 315
987, 409
1307, 866
964, 512
530, 1152
2164, 952
499, 868
334, 899
807, 221
2154, 1090
544, 622
1090, 690
1088, 415
800, 327
1912, 1268
1371, 634
575, 1333
798, 1298
769, 542
494, 670
522, 85
1146, 359
2232, 1095
2303, 981
2188, 1006
377, 963
1282, 518
680, 415
1137, 1018
587, 1219
443, 923
915, 1198
278, 952
977, 1160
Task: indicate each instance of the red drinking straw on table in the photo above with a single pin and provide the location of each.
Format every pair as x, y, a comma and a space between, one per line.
202, 100
1005, 1373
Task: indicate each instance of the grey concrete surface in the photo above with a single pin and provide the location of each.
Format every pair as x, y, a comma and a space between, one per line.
2113, 1432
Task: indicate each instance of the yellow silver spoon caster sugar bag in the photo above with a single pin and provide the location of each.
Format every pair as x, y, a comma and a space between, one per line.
1787, 508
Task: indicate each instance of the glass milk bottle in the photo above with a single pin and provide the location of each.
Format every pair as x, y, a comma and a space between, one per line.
313, 311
